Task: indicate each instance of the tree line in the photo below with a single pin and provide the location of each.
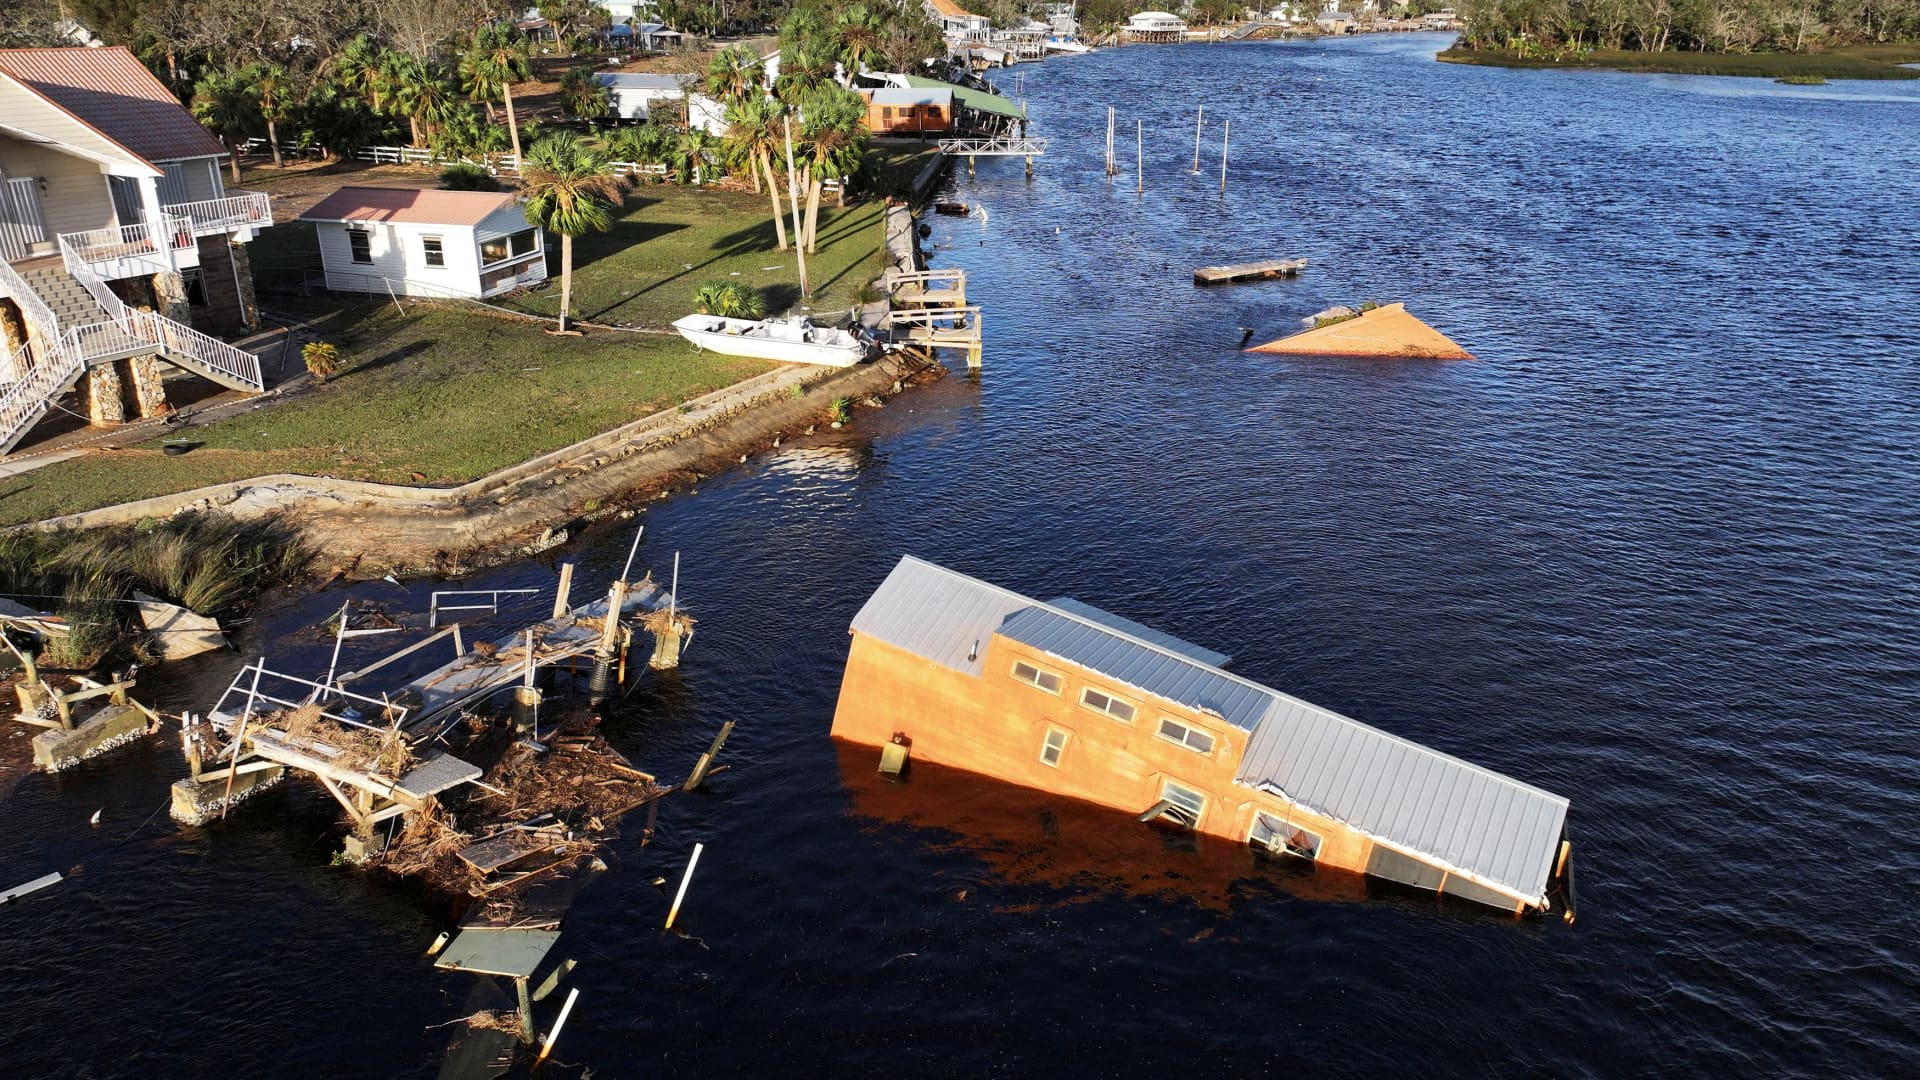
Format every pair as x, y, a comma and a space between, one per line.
1797, 26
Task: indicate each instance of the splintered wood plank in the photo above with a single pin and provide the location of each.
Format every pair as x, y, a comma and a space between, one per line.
490, 855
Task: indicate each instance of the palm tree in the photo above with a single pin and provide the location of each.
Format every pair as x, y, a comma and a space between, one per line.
835, 138
857, 33
730, 300
273, 90
735, 74
571, 189
753, 129
691, 153
361, 67
492, 64
421, 92
223, 100
581, 94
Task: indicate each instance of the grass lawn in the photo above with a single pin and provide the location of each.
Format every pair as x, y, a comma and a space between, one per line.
1857, 62
448, 394
454, 393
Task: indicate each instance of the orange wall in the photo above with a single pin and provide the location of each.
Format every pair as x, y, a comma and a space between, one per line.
996, 725
907, 118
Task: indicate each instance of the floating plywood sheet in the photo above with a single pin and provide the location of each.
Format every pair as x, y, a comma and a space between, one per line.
177, 632
513, 953
437, 774
1389, 331
490, 855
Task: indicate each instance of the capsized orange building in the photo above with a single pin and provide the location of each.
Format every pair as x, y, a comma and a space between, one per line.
1388, 332
1067, 698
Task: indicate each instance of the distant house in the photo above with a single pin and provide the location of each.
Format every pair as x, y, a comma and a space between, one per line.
1064, 697
1156, 26
954, 19
427, 243
911, 111
632, 96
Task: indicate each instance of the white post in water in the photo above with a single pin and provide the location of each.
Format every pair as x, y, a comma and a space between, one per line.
685, 879
1139, 156
547, 1047
1199, 120
1224, 136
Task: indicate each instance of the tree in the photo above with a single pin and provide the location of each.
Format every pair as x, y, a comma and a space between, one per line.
224, 101
857, 34
571, 189
834, 136
362, 68
273, 92
753, 128
565, 16
690, 155
729, 300
420, 92
734, 74
492, 64
582, 96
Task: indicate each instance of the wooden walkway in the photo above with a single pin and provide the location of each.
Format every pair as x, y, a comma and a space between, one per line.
929, 288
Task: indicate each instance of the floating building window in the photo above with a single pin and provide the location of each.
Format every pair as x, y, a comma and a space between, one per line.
1045, 680
1190, 737
360, 242
1106, 703
1184, 804
502, 248
436, 255
1283, 837
1055, 746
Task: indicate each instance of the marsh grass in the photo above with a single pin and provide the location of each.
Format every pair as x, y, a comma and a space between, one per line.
210, 563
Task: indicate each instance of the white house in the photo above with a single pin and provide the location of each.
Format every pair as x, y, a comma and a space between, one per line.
631, 96
1157, 26
427, 243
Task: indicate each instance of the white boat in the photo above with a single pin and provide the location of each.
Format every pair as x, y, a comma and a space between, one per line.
1067, 45
791, 341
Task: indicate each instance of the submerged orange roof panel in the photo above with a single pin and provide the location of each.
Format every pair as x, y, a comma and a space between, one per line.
1387, 331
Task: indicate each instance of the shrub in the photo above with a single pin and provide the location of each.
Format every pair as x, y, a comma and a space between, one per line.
729, 299
462, 176
323, 360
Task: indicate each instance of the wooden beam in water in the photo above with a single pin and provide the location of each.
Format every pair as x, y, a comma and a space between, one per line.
1253, 271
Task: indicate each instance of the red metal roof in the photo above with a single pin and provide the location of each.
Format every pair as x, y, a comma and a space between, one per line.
111, 91
409, 205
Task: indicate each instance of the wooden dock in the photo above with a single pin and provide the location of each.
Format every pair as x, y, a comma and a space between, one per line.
939, 328
1253, 271
928, 288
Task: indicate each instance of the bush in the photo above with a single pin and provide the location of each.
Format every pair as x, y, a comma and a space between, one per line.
729, 299
462, 176
323, 360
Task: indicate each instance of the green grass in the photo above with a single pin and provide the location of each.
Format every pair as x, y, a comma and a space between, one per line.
452, 393
449, 394
1858, 62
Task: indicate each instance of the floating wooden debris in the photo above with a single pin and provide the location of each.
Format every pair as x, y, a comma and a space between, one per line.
955, 209
1389, 331
75, 734
176, 632
34, 886
1253, 271
512, 953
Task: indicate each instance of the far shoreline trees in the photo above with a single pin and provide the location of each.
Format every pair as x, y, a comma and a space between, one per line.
1541, 27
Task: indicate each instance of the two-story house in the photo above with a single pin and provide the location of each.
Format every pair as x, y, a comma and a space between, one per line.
116, 235
1067, 698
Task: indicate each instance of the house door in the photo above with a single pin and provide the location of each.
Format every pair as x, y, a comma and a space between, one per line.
126, 200
21, 226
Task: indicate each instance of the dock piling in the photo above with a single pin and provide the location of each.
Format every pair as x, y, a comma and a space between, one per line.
1225, 134
1139, 156
1199, 120
685, 880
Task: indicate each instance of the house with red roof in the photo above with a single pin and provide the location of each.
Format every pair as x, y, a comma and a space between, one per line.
117, 238
403, 241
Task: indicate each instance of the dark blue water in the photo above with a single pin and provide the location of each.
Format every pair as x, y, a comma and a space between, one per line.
1655, 550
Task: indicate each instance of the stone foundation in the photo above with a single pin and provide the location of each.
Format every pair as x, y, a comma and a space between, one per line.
100, 396
144, 374
226, 276
108, 727
197, 802
170, 297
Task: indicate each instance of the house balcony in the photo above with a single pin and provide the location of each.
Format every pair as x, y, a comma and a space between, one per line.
239, 215
155, 246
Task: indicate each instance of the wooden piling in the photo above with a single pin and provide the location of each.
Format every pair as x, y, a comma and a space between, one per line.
547, 1047
706, 760
560, 605
1139, 156
1199, 120
1225, 134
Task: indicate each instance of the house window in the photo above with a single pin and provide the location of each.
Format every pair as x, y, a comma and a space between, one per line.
436, 255
1045, 680
502, 248
1054, 746
933, 112
1184, 804
1190, 737
1106, 703
361, 243
1283, 837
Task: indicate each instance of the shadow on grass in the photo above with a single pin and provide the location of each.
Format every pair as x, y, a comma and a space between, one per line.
392, 356
593, 247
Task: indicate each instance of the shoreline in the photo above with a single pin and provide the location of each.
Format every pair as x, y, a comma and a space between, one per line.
1864, 64
537, 504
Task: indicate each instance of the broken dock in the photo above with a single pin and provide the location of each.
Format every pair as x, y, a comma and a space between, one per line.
1252, 271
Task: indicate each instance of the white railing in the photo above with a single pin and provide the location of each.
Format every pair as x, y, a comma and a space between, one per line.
182, 340
240, 210
22, 402
34, 308
146, 247
153, 329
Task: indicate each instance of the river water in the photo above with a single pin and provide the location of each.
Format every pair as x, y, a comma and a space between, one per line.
1655, 550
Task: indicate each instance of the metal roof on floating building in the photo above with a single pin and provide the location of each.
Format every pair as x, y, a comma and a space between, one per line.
1444, 816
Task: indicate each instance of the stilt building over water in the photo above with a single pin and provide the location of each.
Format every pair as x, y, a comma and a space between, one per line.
1068, 698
